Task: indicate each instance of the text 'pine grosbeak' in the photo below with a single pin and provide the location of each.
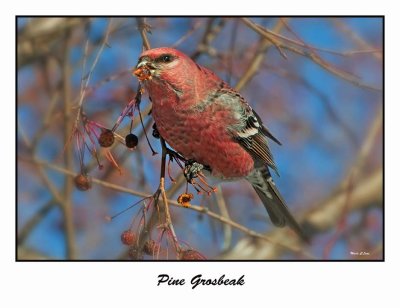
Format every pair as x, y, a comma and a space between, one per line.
207, 121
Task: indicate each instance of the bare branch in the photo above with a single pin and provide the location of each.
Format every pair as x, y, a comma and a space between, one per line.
310, 55
258, 58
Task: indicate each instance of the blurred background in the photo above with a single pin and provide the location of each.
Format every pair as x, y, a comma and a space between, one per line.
317, 83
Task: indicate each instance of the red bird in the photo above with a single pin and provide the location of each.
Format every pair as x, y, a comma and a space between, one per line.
207, 121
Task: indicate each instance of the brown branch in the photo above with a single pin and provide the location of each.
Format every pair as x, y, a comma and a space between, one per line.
184, 37
40, 36
152, 220
295, 247
324, 217
258, 58
144, 28
325, 99
57, 200
366, 148
213, 28
27, 253
84, 86
126, 154
219, 197
48, 119
253, 235
326, 214
42, 174
361, 43
303, 44
66, 208
164, 197
33, 222
310, 55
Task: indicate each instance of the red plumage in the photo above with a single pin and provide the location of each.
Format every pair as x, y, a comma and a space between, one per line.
205, 120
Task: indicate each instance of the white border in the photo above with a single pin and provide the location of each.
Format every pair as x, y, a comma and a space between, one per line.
274, 284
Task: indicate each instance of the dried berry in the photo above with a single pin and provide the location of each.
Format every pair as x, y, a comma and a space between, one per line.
191, 254
151, 248
131, 140
128, 238
82, 182
133, 253
155, 133
106, 138
184, 199
143, 73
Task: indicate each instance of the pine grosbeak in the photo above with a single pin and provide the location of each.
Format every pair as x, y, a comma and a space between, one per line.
207, 121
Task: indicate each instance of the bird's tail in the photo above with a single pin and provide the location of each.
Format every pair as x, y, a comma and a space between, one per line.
263, 184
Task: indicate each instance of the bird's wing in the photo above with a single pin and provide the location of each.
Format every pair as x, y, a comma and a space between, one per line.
251, 133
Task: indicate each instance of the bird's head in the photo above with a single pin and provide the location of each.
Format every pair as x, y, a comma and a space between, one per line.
163, 65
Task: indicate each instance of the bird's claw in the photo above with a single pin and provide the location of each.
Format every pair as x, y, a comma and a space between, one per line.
192, 170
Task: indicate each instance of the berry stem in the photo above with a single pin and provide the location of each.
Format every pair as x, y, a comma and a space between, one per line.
164, 196
144, 130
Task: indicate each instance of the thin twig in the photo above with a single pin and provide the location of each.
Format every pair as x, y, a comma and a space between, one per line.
34, 221
232, 45
196, 208
85, 86
310, 55
68, 158
327, 213
353, 175
193, 29
361, 43
257, 59
213, 28
144, 28
164, 196
224, 212
335, 116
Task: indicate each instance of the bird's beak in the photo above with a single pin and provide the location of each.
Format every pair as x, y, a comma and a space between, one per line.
138, 69
143, 70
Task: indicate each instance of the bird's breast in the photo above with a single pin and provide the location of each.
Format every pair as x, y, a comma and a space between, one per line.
202, 136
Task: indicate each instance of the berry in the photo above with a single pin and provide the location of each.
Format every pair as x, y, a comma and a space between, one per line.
184, 199
106, 138
82, 182
131, 140
155, 132
143, 73
151, 248
191, 254
128, 238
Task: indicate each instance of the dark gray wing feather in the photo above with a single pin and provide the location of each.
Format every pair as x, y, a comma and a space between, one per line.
253, 136
273, 201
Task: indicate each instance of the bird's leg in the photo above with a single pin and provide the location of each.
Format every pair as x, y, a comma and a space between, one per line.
193, 169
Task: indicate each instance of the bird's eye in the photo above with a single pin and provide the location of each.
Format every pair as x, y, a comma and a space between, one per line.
166, 58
